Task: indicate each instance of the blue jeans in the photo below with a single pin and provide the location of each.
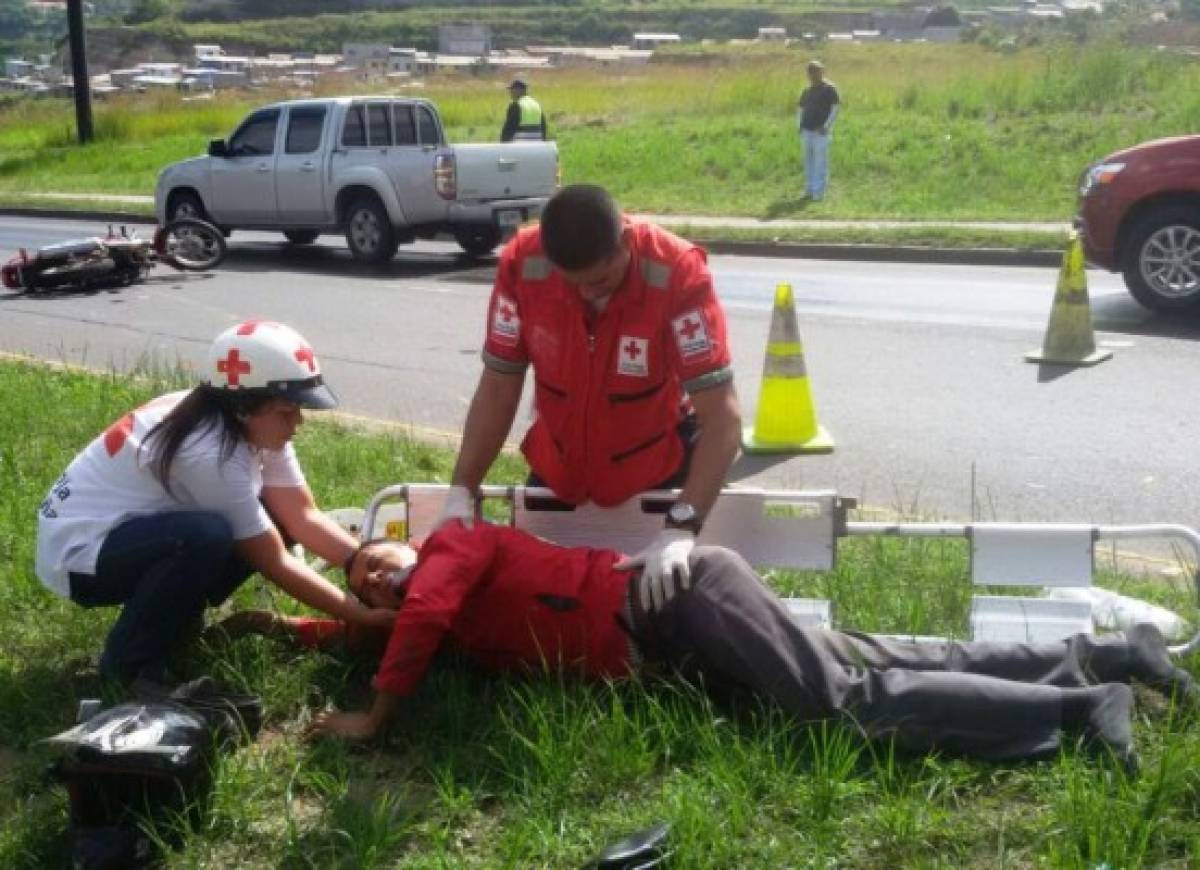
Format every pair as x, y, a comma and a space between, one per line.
165, 569
816, 162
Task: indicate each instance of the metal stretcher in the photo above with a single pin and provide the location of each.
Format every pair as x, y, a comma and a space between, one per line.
800, 530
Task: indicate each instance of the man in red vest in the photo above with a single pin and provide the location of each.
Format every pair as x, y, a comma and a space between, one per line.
512, 601
633, 388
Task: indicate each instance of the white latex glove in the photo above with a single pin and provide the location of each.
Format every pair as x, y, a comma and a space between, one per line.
459, 505
664, 563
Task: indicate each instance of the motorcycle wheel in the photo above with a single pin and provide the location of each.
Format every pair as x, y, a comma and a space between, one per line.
190, 244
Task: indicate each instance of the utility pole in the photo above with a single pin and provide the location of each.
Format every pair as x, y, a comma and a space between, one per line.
79, 71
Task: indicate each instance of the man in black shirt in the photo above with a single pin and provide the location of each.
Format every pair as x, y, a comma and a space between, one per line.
816, 113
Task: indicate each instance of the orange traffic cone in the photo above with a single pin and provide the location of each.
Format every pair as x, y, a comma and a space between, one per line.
1069, 339
786, 421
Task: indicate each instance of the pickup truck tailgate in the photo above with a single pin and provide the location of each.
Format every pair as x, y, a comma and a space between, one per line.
516, 170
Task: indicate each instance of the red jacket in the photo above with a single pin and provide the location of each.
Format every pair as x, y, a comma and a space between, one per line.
509, 601
608, 394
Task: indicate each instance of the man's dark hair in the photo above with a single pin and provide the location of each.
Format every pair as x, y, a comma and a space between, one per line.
363, 547
581, 226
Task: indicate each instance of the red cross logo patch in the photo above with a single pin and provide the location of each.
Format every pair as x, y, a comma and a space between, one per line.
506, 322
250, 326
305, 355
691, 335
117, 434
633, 356
233, 367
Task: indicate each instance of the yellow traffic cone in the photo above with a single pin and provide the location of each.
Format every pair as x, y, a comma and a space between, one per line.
786, 421
1069, 339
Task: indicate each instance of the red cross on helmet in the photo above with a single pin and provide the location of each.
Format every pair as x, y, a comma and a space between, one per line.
267, 358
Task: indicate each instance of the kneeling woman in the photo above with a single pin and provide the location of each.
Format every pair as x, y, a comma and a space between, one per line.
178, 502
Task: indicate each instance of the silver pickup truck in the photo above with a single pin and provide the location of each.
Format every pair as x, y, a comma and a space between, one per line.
376, 168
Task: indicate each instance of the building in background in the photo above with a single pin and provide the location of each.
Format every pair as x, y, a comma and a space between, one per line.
370, 58
472, 40
652, 41
402, 61
17, 68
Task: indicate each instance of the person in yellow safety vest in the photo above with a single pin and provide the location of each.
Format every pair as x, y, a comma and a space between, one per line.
525, 120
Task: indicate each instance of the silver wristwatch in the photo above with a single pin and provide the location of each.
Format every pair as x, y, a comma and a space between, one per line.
682, 515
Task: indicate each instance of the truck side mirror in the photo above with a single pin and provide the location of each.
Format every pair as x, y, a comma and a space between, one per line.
217, 148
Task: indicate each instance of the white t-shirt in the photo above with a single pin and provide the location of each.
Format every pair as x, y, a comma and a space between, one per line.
112, 481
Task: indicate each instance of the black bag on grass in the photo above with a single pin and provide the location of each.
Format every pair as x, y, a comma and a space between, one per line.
231, 716
127, 765
145, 761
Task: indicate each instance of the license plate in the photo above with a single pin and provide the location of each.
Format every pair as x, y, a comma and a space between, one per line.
509, 217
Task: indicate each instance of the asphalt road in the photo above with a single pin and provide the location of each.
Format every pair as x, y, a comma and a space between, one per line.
916, 370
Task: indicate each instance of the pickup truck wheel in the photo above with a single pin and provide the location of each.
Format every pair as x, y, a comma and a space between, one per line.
369, 231
477, 241
1161, 260
186, 205
301, 237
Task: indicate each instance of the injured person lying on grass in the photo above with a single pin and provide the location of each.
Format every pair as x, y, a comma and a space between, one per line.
510, 601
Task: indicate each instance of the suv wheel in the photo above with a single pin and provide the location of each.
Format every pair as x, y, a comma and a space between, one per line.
369, 231
477, 240
1161, 261
301, 237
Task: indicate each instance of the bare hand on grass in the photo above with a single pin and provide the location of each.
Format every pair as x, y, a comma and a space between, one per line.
336, 723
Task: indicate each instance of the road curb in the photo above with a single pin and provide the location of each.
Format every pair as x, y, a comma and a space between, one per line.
71, 214
783, 250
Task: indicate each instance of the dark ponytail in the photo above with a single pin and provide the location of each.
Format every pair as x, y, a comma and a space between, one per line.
201, 410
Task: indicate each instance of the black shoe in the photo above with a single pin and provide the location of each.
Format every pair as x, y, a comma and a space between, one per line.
1109, 724
644, 849
192, 631
1151, 664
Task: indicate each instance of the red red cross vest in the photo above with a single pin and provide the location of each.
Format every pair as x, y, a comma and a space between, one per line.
608, 395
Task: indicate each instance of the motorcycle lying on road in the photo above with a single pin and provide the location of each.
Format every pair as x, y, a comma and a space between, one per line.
116, 260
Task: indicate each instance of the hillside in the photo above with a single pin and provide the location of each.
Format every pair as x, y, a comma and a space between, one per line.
307, 24
240, 10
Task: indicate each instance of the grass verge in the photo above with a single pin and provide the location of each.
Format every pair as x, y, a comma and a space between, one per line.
69, 204
917, 237
480, 772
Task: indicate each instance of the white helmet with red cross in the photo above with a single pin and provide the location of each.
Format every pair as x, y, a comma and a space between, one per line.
261, 357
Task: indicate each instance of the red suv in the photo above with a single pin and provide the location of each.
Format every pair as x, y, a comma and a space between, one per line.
1140, 214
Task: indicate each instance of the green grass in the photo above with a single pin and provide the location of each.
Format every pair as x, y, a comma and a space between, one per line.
917, 237
927, 132
482, 772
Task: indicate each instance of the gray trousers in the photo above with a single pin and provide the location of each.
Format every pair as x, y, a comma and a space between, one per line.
994, 701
